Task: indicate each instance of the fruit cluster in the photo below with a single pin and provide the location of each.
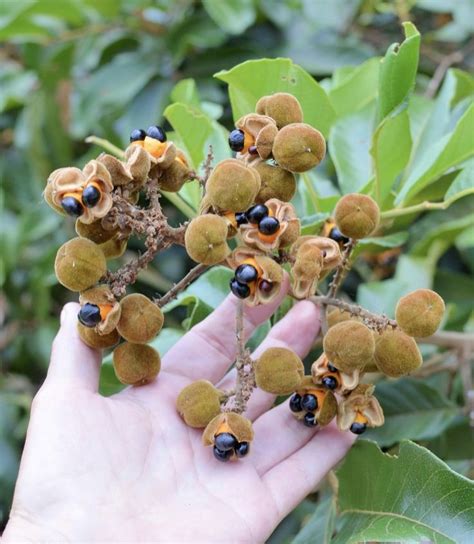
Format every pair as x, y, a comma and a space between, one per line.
247, 223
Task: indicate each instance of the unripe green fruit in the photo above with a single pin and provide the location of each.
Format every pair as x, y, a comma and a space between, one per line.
79, 264
356, 216
276, 183
206, 239
349, 345
232, 186
396, 353
284, 108
420, 313
299, 147
140, 319
279, 371
198, 403
136, 364
95, 340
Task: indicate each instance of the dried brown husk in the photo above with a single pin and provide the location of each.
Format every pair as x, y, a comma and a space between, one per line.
361, 401
102, 296
262, 129
238, 426
347, 381
93, 339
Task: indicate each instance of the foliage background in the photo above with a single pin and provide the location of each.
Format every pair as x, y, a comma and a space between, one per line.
72, 68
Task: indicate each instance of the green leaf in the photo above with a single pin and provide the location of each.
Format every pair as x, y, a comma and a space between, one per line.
413, 410
411, 497
312, 224
451, 150
185, 91
349, 149
320, 526
233, 16
398, 71
357, 89
463, 183
383, 242
391, 146
456, 443
253, 79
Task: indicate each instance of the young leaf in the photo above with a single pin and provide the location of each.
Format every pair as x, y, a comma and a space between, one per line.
411, 497
253, 79
398, 71
233, 16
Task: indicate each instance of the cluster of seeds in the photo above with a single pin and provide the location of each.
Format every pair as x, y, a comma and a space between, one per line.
247, 223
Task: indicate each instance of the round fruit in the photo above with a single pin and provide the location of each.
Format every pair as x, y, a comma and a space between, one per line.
420, 313
278, 371
140, 319
298, 147
136, 364
206, 239
95, 340
198, 403
236, 140
396, 353
275, 183
284, 108
349, 345
356, 216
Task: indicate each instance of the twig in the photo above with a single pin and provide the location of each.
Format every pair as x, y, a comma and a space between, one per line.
105, 144
461, 340
181, 285
207, 166
439, 73
342, 268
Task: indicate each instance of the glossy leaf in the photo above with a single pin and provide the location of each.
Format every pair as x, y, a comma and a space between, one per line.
320, 526
409, 497
253, 79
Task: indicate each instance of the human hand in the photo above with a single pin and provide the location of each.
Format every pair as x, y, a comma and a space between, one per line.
126, 468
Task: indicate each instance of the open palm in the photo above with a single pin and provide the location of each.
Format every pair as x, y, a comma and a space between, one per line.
127, 469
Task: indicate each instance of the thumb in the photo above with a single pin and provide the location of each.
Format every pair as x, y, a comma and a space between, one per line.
72, 362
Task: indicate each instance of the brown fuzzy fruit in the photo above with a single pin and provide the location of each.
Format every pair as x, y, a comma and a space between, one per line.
114, 248
279, 371
198, 403
299, 147
232, 186
79, 264
136, 364
140, 319
356, 216
349, 345
174, 177
206, 239
235, 424
336, 316
420, 313
284, 108
396, 353
94, 231
95, 340
276, 183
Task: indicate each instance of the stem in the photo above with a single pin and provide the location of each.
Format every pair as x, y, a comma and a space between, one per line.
312, 192
426, 206
341, 269
179, 202
181, 285
461, 340
105, 144
245, 378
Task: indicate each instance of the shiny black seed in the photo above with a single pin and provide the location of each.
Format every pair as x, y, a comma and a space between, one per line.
332, 368
240, 290
246, 273
336, 235
358, 428
330, 382
309, 403
269, 225
295, 403
256, 213
241, 218
310, 420
253, 150
222, 455
242, 449
137, 135
265, 286
156, 133
72, 206
236, 140
225, 441
89, 315
90, 196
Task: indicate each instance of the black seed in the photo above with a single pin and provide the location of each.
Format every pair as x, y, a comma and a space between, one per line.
330, 382
89, 315
72, 206
241, 218
222, 455
246, 273
295, 403
137, 135
265, 286
90, 196
309, 403
156, 133
256, 213
269, 225
253, 150
358, 428
310, 420
236, 140
225, 441
336, 235
332, 368
242, 449
240, 290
